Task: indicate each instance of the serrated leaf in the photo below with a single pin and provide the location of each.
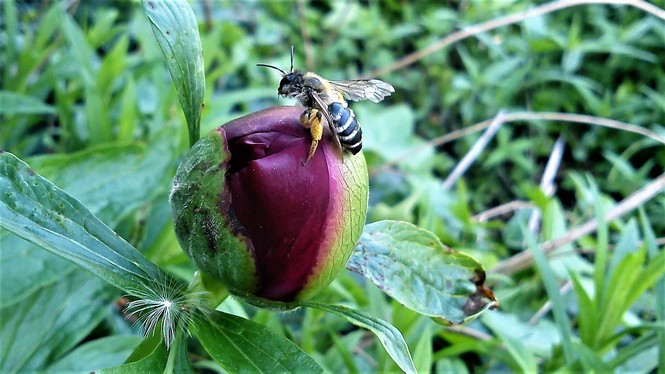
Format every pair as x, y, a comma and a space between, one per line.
12, 103
391, 339
241, 345
177, 33
36, 210
411, 265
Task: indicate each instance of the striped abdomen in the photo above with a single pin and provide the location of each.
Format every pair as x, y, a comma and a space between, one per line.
348, 130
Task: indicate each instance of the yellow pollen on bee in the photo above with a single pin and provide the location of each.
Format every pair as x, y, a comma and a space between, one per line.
312, 120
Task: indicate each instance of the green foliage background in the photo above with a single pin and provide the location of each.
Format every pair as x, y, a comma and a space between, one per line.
87, 101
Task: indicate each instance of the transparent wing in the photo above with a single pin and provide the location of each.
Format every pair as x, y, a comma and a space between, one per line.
318, 104
364, 89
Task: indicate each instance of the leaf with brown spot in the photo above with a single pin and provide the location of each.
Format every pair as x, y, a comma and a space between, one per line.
412, 266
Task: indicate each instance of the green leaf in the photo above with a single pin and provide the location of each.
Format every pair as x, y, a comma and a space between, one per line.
99, 353
391, 339
10, 28
451, 365
632, 350
178, 361
651, 275
128, 113
422, 355
36, 210
411, 265
340, 357
177, 33
588, 318
659, 287
506, 329
113, 180
25, 268
50, 321
564, 259
240, 345
558, 305
113, 65
110, 196
83, 54
621, 285
12, 103
400, 139
146, 347
153, 362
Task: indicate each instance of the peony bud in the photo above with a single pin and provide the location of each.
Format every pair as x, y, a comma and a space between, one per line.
250, 213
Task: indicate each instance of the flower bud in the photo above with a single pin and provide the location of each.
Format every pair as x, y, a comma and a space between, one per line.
250, 213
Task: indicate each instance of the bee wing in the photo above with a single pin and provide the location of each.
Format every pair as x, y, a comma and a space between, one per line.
321, 106
370, 89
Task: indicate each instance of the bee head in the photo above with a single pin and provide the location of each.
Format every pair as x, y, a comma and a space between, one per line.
291, 83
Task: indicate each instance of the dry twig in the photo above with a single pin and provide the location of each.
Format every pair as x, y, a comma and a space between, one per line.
524, 259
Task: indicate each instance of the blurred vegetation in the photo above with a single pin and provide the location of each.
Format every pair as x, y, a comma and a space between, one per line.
88, 102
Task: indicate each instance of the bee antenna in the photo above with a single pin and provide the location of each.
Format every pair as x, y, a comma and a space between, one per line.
291, 58
272, 67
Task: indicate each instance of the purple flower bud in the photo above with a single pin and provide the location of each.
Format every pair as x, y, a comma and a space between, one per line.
251, 214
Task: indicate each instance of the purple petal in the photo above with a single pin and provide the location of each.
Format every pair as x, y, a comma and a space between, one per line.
283, 205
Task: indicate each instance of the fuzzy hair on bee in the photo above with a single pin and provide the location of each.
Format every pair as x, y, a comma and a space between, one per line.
323, 98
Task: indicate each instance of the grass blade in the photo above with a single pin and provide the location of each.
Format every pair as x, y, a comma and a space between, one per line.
549, 280
177, 33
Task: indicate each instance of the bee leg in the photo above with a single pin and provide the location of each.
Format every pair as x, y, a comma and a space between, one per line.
312, 120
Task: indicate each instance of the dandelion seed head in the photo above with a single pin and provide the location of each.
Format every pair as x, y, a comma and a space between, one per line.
165, 305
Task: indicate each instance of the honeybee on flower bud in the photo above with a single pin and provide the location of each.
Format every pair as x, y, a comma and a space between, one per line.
327, 98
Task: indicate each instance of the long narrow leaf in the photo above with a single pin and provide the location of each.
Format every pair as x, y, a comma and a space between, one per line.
620, 287
588, 319
391, 339
178, 361
51, 321
175, 27
652, 250
560, 316
38, 211
12, 103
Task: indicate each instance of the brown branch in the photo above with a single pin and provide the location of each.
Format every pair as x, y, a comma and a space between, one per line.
524, 259
524, 116
502, 209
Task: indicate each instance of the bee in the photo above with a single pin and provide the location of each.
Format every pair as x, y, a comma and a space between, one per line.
324, 98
